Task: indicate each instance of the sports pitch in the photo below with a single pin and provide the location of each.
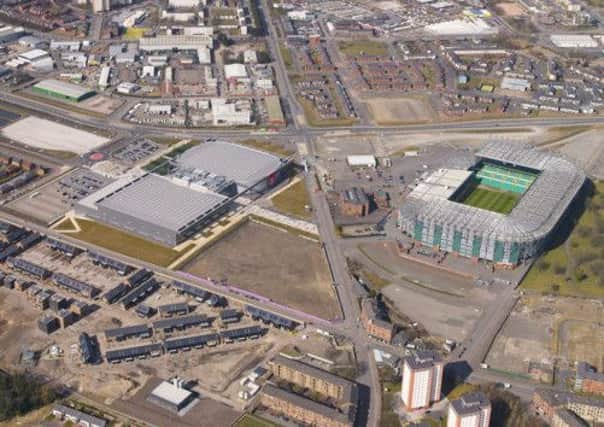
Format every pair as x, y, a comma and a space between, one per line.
492, 200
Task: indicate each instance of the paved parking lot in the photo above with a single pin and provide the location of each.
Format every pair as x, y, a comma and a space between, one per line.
52, 201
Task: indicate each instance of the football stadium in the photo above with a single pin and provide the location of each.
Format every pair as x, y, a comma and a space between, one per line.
503, 209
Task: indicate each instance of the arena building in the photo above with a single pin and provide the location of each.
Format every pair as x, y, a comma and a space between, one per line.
154, 207
503, 209
201, 188
249, 168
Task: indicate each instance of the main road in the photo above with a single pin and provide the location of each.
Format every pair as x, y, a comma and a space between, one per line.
479, 340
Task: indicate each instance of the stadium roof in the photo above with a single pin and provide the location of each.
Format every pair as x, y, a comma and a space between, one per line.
533, 217
246, 166
442, 183
158, 201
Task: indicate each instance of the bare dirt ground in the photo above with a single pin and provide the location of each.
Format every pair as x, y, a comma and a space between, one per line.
276, 264
587, 150
206, 413
510, 9
389, 111
446, 304
102, 104
542, 328
17, 327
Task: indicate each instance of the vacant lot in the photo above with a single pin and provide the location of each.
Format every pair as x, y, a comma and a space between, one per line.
492, 200
510, 9
575, 267
273, 148
250, 420
134, 33
363, 47
393, 111
102, 104
47, 135
124, 243
276, 264
293, 200
542, 328
206, 413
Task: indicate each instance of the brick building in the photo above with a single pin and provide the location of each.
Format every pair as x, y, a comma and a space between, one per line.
470, 410
546, 402
588, 380
314, 379
422, 379
354, 202
302, 409
374, 323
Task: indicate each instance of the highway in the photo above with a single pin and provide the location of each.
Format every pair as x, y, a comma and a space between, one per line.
116, 125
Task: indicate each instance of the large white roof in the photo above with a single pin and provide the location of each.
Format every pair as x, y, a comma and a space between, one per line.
246, 166
158, 201
171, 393
235, 71
65, 88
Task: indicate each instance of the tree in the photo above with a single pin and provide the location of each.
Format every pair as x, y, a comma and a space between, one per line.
21, 393
224, 40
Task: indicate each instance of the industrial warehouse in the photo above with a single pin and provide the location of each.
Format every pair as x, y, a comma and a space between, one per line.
205, 181
503, 209
63, 90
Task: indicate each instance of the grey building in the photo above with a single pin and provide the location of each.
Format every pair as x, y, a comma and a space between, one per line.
246, 166
154, 207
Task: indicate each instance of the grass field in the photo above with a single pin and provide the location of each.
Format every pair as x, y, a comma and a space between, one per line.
575, 267
293, 201
277, 149
286, 56
491, 200
363, 47
124, 243
250, 420
134, 33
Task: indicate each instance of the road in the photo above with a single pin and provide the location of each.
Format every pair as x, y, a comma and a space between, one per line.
474, 348
344, 288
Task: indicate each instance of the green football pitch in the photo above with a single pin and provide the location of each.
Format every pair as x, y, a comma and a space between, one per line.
491, 200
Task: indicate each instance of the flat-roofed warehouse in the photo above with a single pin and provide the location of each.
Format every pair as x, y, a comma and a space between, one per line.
64, 90
246, 166
170, 42
154, 208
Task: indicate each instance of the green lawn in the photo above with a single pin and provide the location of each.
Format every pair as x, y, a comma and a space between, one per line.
249, 420
287, 56
293, 201
363, 47
134, 33
125, 243
575, 268
460, 390
277, 149
491, 200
